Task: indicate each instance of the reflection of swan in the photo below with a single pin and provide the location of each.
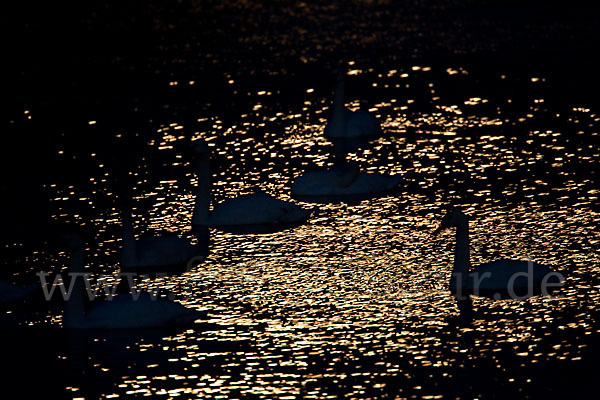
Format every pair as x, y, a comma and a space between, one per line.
498, 277
251, 209
123, 311
10, 292
344, 181
156, 251
346, 123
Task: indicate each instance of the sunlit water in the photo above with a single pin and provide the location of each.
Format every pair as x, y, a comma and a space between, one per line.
353, 304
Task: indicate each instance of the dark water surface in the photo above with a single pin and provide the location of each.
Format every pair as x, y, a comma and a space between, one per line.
492, 106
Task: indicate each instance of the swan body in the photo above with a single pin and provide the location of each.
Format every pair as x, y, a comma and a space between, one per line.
144, 312
156, 251
10, 292
340, 183
498, 277
252, 209
256, 209
344, 123
123, 311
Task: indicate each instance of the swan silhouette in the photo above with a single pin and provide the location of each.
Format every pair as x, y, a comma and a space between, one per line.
157, 252
10, 292
254, 209
344, 123
345, 180
123, 311
497, 279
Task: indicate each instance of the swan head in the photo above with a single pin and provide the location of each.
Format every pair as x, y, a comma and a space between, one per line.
454, 218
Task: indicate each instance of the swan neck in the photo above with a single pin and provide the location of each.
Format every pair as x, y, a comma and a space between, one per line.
74, 314
128, 255
461, 252
339, 106
202, 202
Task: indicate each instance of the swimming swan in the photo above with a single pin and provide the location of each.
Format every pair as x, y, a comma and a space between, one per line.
123, 311
157, 251
497, 278
250, 209
344, 123
344, 181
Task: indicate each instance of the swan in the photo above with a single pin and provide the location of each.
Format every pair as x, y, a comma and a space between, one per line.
10, 292
497, 278
123, 311
344, 123
153, 252
251, 209
346, 180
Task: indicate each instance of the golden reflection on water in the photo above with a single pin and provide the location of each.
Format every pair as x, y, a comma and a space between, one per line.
358, 296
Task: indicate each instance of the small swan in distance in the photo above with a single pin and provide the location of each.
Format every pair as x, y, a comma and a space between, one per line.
124, 310
10, 292
497, 278
251, 209
344, 123
346, 180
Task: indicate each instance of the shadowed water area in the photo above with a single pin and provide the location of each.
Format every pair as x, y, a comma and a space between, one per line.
488, 106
